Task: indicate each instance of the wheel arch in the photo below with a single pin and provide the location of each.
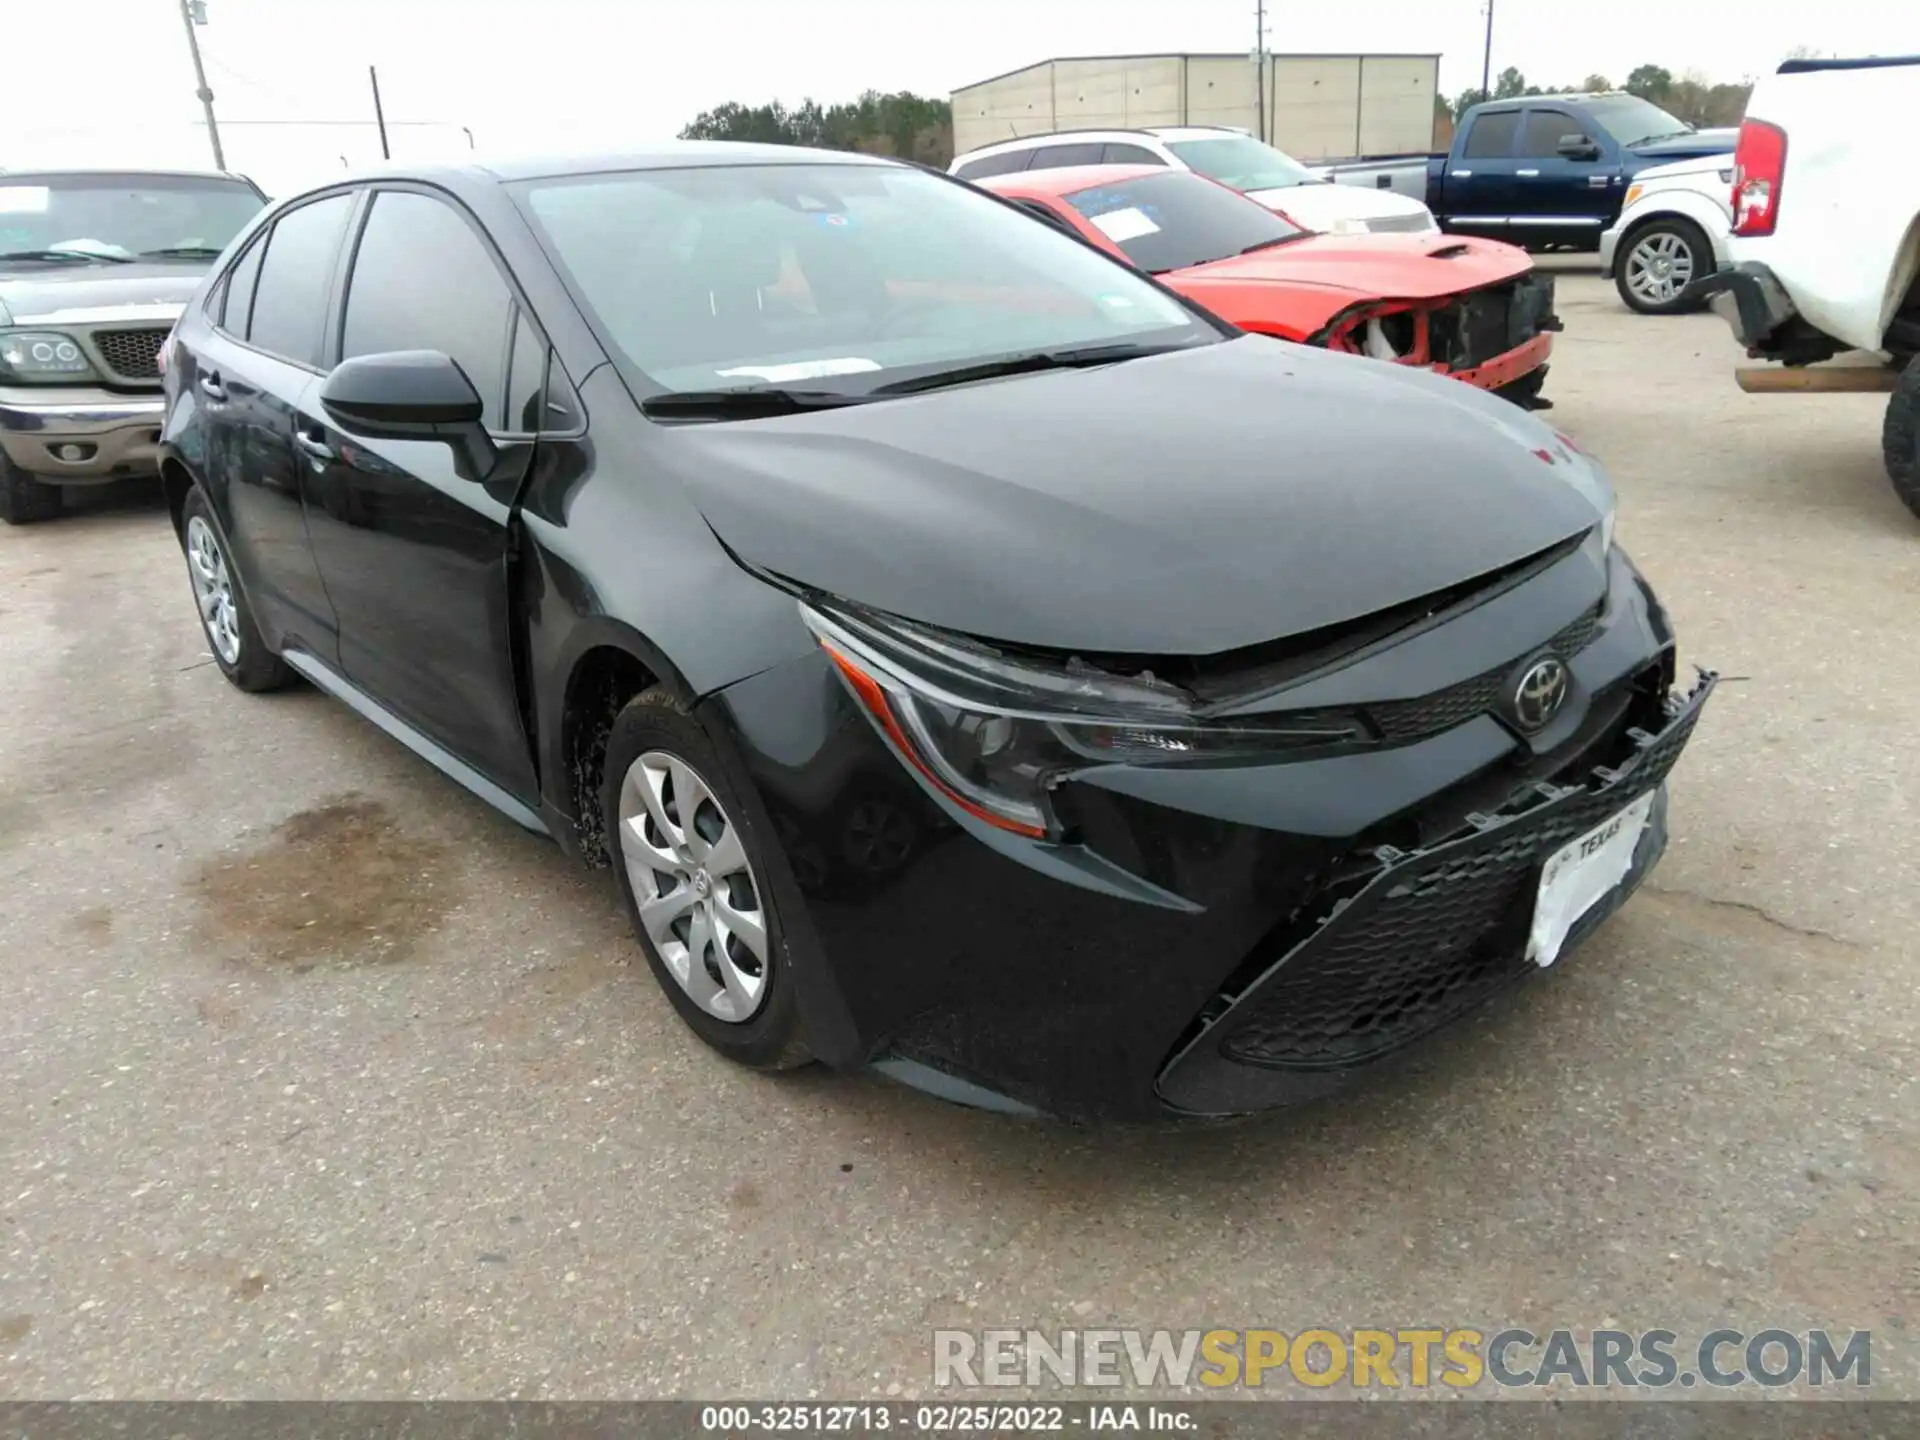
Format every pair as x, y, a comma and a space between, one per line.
607, 663
1679, 205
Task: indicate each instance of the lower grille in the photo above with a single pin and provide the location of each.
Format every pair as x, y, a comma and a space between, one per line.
1432, 935
130, 354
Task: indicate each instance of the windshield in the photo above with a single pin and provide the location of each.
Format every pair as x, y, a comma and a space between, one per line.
1242, 162
778, 275
1173, 220
1630, 120
123, 216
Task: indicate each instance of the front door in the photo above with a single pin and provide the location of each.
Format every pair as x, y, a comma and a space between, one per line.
412, 536
1562, 199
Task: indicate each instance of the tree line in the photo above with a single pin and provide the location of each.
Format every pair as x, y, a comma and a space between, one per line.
901, 124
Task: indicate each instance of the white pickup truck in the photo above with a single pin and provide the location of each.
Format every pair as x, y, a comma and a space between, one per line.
1826, 240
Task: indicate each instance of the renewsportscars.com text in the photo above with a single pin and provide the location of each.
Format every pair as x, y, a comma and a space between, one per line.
1417, 1358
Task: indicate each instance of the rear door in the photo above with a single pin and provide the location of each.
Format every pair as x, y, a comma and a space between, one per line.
1559, 200
261, 356
413, 540
1477, 196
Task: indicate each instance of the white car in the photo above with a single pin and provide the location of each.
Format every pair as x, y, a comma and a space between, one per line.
1826, 241
1232, 157
1674, 228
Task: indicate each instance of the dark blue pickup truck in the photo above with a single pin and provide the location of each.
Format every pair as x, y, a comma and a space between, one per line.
1546, 172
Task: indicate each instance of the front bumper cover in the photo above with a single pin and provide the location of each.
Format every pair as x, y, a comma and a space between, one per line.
1428, 937
117, 435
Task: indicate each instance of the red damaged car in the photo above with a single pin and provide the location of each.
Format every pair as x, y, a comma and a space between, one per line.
1473, 309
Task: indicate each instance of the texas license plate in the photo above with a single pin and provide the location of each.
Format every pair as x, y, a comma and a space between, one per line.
1582, 873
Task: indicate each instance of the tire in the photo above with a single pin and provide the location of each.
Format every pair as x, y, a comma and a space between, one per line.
226, 620
652, 735
23, 499
1900, 436
1674, 240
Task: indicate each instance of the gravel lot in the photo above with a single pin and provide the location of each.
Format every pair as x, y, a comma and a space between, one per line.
322, 1080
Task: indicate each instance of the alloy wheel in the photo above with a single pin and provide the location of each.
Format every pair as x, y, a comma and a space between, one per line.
699, 900
1659, 267
213, 589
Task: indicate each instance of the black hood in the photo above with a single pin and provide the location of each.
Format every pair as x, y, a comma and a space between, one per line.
33, 293
1184, 504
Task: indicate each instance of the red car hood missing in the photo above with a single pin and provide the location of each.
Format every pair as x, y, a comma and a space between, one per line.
1306, 282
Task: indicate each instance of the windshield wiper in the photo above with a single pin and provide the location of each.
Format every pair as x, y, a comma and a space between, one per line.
743, 403
183, 252
1082, 358
74, 257
1277, 240
1670, 135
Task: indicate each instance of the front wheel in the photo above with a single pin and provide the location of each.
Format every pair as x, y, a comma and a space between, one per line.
1900, 436
23, 499
1657, 263
704, 882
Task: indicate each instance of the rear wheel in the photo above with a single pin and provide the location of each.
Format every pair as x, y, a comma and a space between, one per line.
24, 499
1900, 436
225, 618
1657, 263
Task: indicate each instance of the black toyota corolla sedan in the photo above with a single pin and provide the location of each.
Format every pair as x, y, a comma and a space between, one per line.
973, 660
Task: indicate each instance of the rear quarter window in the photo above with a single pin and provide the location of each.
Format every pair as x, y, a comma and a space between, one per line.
1004, 164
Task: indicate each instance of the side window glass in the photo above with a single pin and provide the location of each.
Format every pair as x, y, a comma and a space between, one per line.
1050, 156
1131, 155
423, 280
236, 303
1544, 129
296, 277
1003, 164
527, 380
1493, 136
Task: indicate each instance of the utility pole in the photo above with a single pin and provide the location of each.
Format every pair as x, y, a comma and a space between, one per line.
1486, 60
188, 11
379, 115
1260, 62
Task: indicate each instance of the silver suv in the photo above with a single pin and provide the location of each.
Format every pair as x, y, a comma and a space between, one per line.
95, 266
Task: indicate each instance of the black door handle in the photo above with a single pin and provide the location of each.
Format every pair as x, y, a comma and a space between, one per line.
211, 387
314, 444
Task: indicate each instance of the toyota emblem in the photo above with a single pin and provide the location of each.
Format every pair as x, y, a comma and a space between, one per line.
1541, 692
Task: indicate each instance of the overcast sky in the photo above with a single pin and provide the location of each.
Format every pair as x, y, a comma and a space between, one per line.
112, 81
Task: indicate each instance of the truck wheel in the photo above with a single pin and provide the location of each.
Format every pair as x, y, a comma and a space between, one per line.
1901, 436
1658, 260
24, 499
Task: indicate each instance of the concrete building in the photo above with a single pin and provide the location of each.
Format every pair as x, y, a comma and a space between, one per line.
1319, 107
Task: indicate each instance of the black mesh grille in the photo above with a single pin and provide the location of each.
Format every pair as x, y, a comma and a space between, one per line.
131, 354
1443, 709
1430, 937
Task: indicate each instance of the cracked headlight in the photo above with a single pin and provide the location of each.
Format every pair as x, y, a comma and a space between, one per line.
28, 356
994, 733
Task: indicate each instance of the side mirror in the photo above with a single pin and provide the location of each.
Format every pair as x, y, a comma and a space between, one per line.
406, 394
412, 395
1578, 147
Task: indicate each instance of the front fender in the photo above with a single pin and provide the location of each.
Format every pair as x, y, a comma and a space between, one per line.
1689, 204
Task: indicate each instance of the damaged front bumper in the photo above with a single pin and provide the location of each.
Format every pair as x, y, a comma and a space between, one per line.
1425, 939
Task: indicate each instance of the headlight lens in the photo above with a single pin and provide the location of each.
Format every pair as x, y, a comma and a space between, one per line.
995, 734
1348, 225
29, 355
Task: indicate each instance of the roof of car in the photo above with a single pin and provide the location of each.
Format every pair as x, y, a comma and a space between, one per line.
52, 172
1067, 179
1119, 132
668, 155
